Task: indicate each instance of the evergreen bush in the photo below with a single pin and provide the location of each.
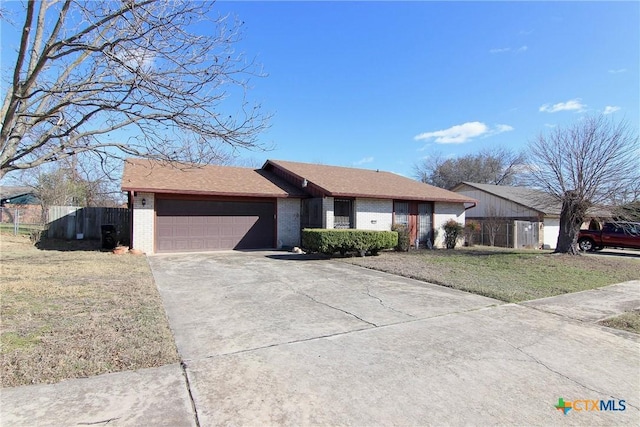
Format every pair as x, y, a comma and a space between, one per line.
452, 232
330, 241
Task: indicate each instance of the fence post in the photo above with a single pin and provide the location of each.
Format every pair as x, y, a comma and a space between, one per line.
16, 222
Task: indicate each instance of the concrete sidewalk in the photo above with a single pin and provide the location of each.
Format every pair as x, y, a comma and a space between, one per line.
152, 397
592, 305
269, 339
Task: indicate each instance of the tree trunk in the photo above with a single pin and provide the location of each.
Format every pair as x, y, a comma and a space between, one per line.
571, 218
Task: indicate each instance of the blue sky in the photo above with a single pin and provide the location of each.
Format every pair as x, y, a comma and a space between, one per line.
381, 85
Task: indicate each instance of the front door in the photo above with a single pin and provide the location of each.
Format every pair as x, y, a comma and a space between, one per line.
417, 216
425, 224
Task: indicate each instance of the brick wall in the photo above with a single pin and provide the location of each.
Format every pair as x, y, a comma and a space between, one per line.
27, 214
373, 214
327, 212
443, 212
288, 222
144, 222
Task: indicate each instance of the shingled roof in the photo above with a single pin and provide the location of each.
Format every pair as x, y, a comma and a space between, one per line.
530, 198
334, 181
156, 177
337, 181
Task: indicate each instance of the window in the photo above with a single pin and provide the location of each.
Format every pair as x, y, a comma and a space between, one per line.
401, 210
342, 213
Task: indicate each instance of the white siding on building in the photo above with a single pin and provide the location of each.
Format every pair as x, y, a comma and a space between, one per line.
144, 222
493, 206
551, 231
443, 212
288, 227
373, 214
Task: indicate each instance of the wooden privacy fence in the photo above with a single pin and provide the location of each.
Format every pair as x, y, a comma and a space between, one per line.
71, 222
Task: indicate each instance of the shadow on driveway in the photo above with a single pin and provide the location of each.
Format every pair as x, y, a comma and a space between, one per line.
266, 342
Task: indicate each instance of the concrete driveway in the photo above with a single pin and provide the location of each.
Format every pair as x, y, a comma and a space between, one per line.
275, 338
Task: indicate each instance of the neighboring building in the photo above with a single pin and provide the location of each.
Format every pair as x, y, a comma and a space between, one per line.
523, 217
209, 207
22, 200
10, 195
529, 218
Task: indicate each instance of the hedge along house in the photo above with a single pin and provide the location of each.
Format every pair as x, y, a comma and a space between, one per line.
209, 208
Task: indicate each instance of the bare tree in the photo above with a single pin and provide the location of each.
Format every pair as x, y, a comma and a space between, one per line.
149, 78
75, 181
498, 166
591, 162
493, 221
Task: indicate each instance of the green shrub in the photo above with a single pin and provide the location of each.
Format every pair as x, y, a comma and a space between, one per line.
403, 237
470, 228
329, 241
452, 231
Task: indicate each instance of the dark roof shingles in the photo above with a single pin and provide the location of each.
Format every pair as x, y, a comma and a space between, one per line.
145, 175
352, 182
528, 197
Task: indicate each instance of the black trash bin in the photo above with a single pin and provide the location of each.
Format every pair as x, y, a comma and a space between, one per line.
108, 236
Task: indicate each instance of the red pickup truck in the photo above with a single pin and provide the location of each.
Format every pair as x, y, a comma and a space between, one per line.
612, 235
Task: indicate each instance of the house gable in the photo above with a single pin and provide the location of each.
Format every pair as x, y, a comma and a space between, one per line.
506, 201
338, 181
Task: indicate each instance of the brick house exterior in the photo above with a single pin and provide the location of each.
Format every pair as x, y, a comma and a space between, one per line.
201, 208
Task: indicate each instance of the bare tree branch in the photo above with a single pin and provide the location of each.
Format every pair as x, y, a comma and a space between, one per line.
593, 162
497, 166
151, 78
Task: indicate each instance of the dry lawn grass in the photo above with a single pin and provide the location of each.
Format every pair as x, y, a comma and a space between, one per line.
68, 314
505, 274
629, 321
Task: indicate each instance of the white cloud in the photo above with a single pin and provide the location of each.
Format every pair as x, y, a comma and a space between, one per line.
502, 128
363, 161
550, 125
618, 71
460, 134
509, 49
571, 105
609, 109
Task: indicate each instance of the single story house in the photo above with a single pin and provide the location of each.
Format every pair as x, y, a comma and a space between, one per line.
208, 207
20, 200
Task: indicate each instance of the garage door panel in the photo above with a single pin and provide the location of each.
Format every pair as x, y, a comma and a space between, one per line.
202, 225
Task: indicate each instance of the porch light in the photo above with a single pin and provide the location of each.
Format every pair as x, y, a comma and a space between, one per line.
144, 202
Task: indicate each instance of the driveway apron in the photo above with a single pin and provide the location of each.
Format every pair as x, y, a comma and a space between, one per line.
276, 338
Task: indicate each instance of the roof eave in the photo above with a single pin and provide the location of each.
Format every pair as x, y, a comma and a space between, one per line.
295, 175
505, 198
211, 193
397, 197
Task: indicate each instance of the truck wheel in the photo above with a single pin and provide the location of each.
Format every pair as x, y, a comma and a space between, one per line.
586, 244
